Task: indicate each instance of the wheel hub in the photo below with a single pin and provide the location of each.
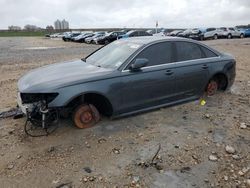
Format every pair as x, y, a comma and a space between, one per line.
86, 117
212, 88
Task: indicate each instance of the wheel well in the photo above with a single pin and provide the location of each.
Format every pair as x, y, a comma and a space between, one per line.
221, 78
102, 104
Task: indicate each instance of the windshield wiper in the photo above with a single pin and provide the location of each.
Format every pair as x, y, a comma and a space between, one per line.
83, 59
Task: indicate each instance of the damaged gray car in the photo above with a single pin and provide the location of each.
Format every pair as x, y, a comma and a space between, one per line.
125, 77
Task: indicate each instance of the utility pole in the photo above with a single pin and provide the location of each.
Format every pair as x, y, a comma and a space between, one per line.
156, 26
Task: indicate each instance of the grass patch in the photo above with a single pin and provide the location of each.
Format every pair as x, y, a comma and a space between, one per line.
22, 33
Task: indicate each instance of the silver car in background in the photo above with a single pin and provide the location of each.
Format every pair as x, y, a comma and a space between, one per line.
230, 32
211, 33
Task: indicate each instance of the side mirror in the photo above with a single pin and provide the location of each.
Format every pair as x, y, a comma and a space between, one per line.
138, 64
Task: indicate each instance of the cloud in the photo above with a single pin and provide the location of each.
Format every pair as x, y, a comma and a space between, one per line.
129, 13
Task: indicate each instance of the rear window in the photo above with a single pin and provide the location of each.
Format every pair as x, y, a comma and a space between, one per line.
208, 53
188, 51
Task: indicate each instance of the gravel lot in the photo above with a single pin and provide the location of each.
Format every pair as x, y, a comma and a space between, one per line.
197, 142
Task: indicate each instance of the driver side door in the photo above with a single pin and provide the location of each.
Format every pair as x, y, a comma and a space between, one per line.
152, 85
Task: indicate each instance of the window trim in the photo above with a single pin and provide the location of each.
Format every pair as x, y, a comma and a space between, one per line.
176, 62
125, 68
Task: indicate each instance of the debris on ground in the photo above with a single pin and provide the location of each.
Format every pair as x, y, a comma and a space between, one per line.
116, 150
87, 169
213, 158
10, 166
13, 112
243, 125
65, 185
230, 149
88, 178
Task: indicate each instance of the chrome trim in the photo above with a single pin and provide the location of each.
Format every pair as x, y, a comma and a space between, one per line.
175, 62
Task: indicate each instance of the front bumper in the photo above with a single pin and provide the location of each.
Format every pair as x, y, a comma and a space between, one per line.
22, 107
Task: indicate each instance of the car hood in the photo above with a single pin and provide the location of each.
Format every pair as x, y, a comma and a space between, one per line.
52, 77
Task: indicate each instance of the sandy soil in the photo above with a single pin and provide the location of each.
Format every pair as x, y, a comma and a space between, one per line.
117, 153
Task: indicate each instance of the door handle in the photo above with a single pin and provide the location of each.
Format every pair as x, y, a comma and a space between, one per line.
204, 66
169, 72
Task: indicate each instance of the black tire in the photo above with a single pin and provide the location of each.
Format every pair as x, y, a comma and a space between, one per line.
106, 42
215, 37
241, 35
229, 36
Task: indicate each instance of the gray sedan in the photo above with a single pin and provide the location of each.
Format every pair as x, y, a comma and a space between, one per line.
125, 77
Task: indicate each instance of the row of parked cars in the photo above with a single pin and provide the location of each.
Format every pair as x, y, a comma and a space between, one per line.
103, 37
211, 33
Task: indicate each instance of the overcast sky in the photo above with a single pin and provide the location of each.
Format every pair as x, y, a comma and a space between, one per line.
126, 13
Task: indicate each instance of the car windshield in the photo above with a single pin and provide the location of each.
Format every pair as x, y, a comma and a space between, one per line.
113, 55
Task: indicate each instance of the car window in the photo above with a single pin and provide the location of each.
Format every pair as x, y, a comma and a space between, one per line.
208, 53
157, 54
210, 29
141, 33
134, 34
113, 55
188, 51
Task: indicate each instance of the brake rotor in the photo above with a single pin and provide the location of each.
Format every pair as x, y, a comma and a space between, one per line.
86, 116
212, 88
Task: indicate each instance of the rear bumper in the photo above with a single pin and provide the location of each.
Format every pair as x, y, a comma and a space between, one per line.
231, 75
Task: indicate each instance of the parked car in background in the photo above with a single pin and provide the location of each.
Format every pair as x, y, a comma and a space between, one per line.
126, 77
197, 34
68, 37
186, 33
135, 33
57, 35
155, 31
230, 32
211, 33
90, 40
108, 38
174, 33
246, 32
82, 37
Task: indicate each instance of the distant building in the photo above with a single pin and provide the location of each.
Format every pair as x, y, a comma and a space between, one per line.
57, 25
14, 28
65, 24
61, 24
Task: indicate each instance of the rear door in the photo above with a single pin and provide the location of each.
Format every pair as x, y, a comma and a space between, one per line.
191, 69
154, 84
209, 33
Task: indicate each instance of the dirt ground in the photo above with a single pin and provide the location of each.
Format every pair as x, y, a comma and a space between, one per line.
118, 153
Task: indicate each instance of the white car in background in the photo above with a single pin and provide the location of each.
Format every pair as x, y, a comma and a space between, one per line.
230, 32
211, 33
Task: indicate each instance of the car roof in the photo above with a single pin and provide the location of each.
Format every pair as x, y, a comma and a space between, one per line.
147, 40
151, 39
